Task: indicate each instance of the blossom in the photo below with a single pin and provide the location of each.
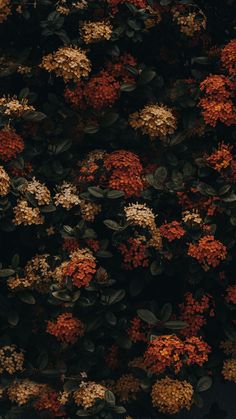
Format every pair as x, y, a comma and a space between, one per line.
196, 351
195, 312
140, 4
66, 196
221, 158
4, 182
24, 214
170, 395
231, 294
66, 328
88, 393
172, 231
214, 111
118, 69
134, 253
89, 210
127, 387
21, 392
40, 192
228, 57
101, 90
154, 121
11, 359
189, 21
71, 63
49, 401
11, 144
229, 370
13, 107
218, 86
208, 251
163, 352
96, 31
136, 332
140, 215
5, 10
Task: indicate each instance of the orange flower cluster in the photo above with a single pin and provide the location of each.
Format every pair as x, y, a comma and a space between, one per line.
81, 268
11, 144
169, 351
196, 351
66, 328
119, 69
49, 402
172, 231
208, 252
228, 57
99, 92
170, 396
125, 172
134, 253
135, 331
221, 158
127, 387
217, 105
87, 172
231, 294
70, 244
163, 352
194, 313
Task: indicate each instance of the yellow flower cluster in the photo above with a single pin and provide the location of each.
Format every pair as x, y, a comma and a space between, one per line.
127, 387
5, 10
89, 210
26, 215
38, 275
229, 370
11, 360
96, 31
39, 191
67, 196
154, 121
13, 107
64, 8
190, 23
22, 391
154, 17
228, 347
170, 396
71, 63
24, 69
4, 182
88, 393
192, 217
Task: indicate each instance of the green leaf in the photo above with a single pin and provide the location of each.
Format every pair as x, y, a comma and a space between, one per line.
147, 316
4, 273
116, 296
155, 268
175, 324
113, 225
109, 119
166, 312
125, 87
96, 192
13, 318
27, 297
119, 410
42, 360
146, 76
160, 174
15, 261
115, 194
204, 383
34, 116
110, 398
61, 295
91, 129
24, 93
198, 400
111, 318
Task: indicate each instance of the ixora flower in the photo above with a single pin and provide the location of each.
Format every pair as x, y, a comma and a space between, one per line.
209, 252
127, 387
228, 57
5, 10
88, 393
170, 395
156, 121
190, 20
96, 31
11, 144
21, 392
229, 370
66, 328
4, 182
11, 359
70, 63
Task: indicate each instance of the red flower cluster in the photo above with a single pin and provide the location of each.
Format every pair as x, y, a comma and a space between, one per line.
228, 57
119, 69
81, 268
172, 231
141, 4
49, 402
134, 253
221, 158
194, 313
208, 251
66, 328
11, 144
217, 105
169, 351
231, 294
135, 332
70, 244
125, 172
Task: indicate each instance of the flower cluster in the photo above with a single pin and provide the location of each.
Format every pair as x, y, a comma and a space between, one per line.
170, 395
156, 121
136, 332
190, 22
127, 387
4, 182
229, 370
11, 144
70, 63
195, 312
26, 215
96, 31
5, 10
221, 158
231, 294
40, 192
11, 359
49, 401
134, 252
22, 391
172, 231
66, 196
228, 57
88, 393
66, 328
208, 251
13, 107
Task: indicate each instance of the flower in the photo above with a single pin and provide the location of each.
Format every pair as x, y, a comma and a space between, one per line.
218, 86
134, 252
136, 332
4, 182
229, 347
194, 312
154, 121
228, 57
21, 392
66, 328
11, 359
208, 251
163, 352
13, 107
190, 22
81, 268
221, 158
170, 395
71, 63
89, 210
11, 144
140, 215
229, 370
214, 111
101, 90
196, 351
140, 4
5, 10
172, 231
66, 196
96, 31
49, 401
118, 69
127, 387
24, 214
192, 217
88, 393
231, 294
40, 192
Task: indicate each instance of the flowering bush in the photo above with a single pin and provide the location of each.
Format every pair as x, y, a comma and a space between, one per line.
117, 206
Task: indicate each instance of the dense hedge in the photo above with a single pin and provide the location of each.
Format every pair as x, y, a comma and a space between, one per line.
118, 206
